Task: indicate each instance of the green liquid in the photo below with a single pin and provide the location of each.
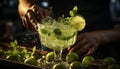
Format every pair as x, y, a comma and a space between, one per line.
57, 36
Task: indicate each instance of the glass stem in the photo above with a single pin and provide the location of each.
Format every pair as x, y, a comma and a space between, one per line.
58, 55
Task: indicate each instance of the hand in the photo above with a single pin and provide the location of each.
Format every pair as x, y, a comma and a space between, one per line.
87, 43
33, 16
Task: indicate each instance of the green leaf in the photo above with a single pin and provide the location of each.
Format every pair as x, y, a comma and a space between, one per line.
57, 31
44, 31
67, 18
60, 18
12, 44
33, 51
15, 42
24, 50
61, 37
71, 13
28, 54
75, 9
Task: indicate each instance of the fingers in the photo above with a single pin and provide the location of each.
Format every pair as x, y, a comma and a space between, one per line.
39, 12
80, 40
30, 21
25, 21
46, 13
84, 49
78, 45
33, 16
91, 51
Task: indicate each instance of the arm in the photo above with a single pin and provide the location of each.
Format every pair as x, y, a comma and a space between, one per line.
112, 35
31, 13
88, 42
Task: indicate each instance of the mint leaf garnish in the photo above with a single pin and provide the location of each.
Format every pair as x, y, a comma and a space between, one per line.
44, 31
61, 37
57, 31
73, 11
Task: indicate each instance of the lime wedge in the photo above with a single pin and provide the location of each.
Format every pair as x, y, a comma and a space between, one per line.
87, 60
72, 56
78, 22
50, 57
109, 60
76, 65
59, 66
31, 61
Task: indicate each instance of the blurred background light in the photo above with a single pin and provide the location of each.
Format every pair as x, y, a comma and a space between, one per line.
44, 4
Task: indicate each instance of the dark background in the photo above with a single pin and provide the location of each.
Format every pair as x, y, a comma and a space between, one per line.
11, 27
10, 21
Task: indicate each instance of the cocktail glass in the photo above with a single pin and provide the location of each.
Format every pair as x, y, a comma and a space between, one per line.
57, 35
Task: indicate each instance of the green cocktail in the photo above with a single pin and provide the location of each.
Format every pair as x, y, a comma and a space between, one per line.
57, 35
60, 34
